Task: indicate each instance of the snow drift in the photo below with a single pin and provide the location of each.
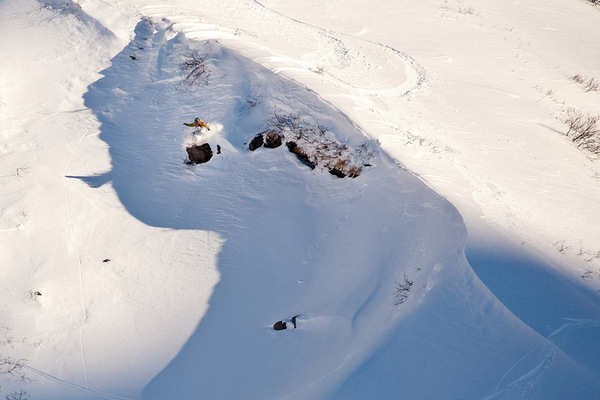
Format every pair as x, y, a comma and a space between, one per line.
134, 275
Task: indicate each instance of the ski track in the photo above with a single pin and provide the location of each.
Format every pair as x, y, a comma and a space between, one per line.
18, 228
416, 73
575, 322
498, 390
71, 385
78, 254
526, 382
198, 29
542, 366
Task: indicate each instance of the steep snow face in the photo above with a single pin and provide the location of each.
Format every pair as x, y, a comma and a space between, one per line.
296, 241
134, 275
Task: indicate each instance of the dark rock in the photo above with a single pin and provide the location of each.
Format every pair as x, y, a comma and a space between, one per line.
218, 149
337, 172
340, 173
199, 154
302, 156
256, 142
294, 320
280, 325
273, 139
342, 169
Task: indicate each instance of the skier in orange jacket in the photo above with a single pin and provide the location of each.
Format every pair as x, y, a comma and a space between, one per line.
198, 123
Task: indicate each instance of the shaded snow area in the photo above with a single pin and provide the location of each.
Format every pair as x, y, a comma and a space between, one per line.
460, 262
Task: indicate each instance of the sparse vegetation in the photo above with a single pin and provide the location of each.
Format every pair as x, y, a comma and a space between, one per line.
589, 256
587, 275
458, 8
316, 146
402, 291
253, 100
562, 246
466, 10
20, 395
584, 129
546, 93
61, 6
589, 83
8, 339
194, 69
13, 367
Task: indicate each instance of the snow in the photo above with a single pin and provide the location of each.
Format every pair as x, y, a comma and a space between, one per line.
129, 274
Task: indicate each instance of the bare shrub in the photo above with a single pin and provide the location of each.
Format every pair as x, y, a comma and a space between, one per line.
10, 366
468, 10
402, 291
194, 69
316, 146
589, 83
562, 246
253, 100
584, 129
587, 275
577, 78
592, 85
8, 339
20, 395
61, 6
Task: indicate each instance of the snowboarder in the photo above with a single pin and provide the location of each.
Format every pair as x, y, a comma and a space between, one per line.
198, 123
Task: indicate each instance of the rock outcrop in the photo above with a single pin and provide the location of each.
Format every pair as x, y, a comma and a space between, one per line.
199, 154
273, 139
256, 142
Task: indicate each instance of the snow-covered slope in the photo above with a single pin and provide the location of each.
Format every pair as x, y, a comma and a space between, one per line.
129, 274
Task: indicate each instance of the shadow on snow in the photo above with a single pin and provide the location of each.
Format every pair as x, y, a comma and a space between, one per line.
296, 241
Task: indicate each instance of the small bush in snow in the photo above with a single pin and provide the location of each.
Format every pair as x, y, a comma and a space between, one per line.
589, 83
8, 339
562, 246
587, 275
61, 6
316, 146
20, 395
584, 129
13, 367
194, 69
592, 85
402, 291
254, 100
468, 10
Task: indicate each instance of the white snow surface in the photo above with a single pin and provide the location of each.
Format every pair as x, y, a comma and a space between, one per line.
463, 263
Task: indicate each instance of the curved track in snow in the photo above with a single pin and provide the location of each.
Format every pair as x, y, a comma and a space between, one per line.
415, 73
336, 57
